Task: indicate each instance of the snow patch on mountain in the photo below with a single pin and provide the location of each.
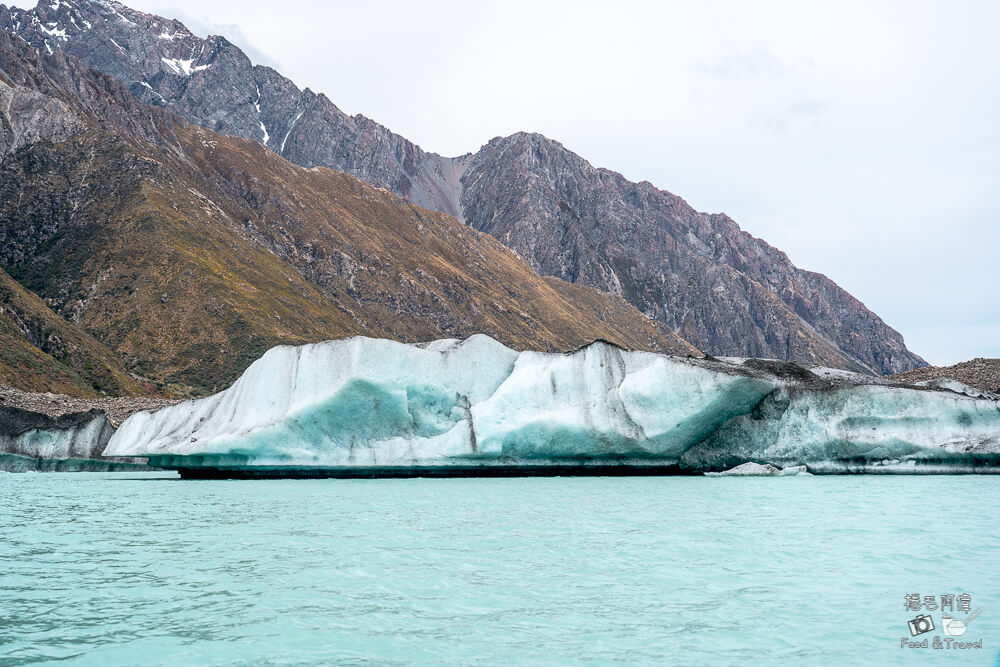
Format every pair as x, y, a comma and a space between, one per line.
53, 30
183, 67
263, 128
287, 134
145, 84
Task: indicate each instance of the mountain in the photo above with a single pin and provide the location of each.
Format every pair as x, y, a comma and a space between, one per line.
722, 289
189, 253
699, 274
212, 83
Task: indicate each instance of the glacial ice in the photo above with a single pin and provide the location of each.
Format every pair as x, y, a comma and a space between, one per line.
82, 439
861, 425
752, 469
749, 469
368, 404
31, 441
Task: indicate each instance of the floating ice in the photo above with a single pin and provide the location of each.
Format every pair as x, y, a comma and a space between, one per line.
748, 470
80, 436
366, 404
847, 426
751, 469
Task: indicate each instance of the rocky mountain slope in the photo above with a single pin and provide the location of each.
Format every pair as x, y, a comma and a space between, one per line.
44, 352
700, 275
212, 83
722, 289
188, 253
983, 374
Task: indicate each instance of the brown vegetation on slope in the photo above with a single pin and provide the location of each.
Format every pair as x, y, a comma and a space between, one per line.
44, 352
189, 254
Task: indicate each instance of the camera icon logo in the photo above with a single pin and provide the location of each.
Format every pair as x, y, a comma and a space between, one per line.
921, 624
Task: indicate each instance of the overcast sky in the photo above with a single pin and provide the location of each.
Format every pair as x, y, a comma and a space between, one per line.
860, 138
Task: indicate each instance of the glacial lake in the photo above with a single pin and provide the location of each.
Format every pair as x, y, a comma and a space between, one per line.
119, 569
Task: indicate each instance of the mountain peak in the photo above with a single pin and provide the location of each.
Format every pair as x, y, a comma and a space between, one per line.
189, 253
698, 274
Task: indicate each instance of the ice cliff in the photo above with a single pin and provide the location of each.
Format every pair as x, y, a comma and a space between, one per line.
31, 441
361, 404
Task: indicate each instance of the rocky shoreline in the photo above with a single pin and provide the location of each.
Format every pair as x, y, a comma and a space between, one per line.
981, 373
117, 409
44, 432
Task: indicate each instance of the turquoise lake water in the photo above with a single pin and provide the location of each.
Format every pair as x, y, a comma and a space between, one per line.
106, 569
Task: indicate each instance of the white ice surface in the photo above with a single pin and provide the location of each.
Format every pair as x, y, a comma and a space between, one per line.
867, 422
81, 441
371, 403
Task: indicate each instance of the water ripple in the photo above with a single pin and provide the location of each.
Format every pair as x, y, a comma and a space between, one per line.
111, 569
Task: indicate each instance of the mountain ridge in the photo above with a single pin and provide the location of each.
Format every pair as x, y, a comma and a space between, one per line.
190, 253
697, 273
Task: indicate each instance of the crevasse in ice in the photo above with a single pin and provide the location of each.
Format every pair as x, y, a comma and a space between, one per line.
367, 403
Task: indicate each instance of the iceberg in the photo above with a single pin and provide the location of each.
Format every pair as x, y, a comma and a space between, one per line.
858, 428
748, 470
751, 469
369, 407
31, 441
